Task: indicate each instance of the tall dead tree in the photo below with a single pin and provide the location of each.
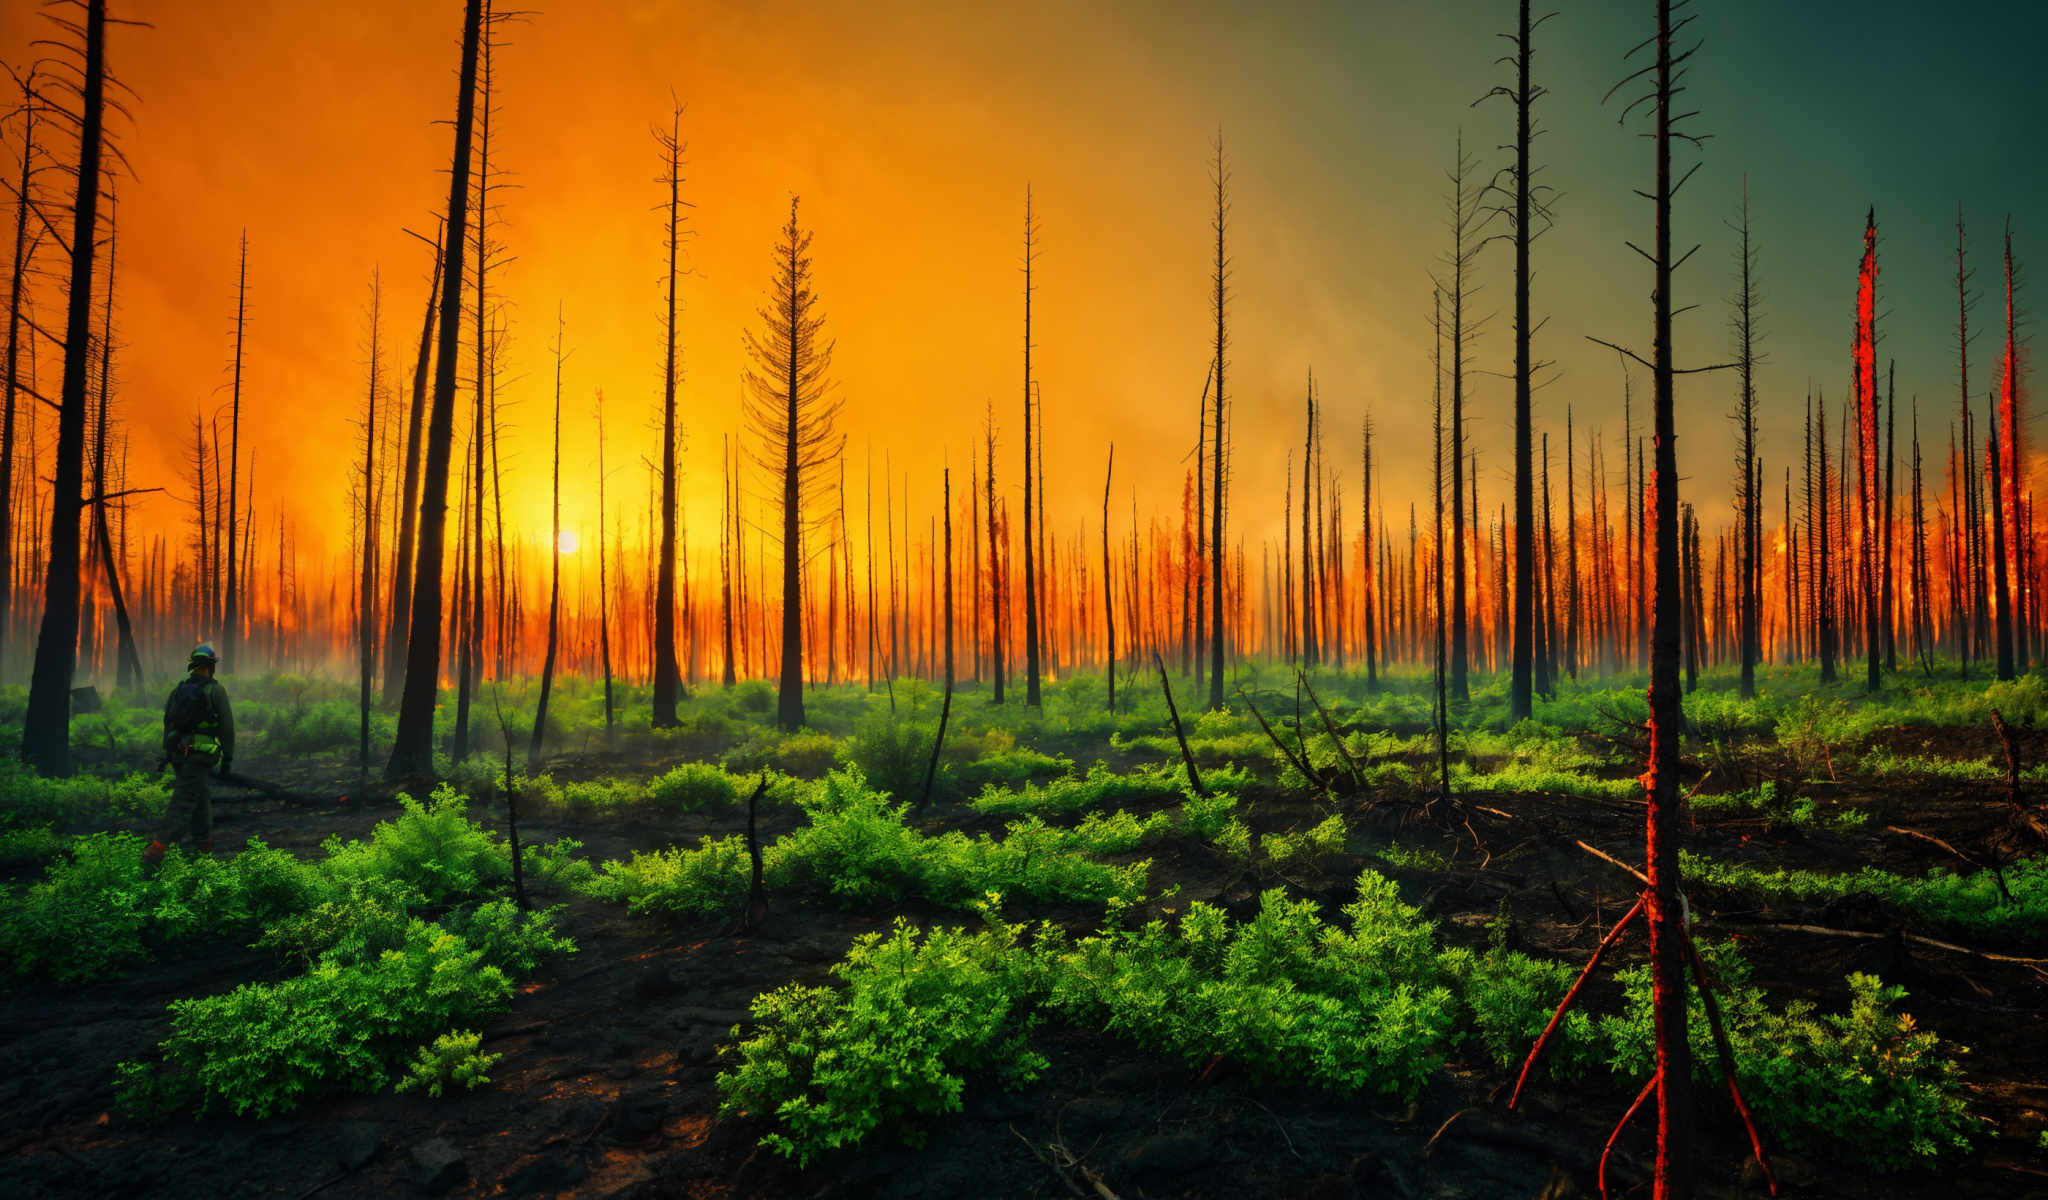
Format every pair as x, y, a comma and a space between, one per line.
1868, 503
1309, 656
547, 669
17, 281
1368, 588
998, 641
667, 673
1748, 495
1108, 586
128, 658
1571, 556
1673, 1178
366, 579
604, 611
1923, 648
1442, 648
46, 726
413, 749
1218, 450
1670, 948
1822, 536
231, 616
1465, 222
792, 411
2009, 419
1031, 697
408, 511
1525, 202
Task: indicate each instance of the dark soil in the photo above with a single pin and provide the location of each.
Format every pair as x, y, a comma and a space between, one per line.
607, 1082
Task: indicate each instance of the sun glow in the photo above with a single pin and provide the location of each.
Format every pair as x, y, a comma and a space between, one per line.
567, 542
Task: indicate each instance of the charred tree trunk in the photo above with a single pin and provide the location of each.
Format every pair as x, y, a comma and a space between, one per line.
667, 674
1108, 592
1749, 595
366, 580
231, 604
402, 566
17, 279
129, 660
1218, 448
995, 568
547, 669
1031, 696
1673, 1179
1571, 557
2001, 582
46, 726
413, 750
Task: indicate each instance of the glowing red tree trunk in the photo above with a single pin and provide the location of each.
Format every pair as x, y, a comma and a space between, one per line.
1868, 501
2014, 481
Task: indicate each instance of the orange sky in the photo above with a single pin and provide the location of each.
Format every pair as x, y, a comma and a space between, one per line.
911, 132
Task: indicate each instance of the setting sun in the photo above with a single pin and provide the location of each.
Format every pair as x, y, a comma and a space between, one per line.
566, 542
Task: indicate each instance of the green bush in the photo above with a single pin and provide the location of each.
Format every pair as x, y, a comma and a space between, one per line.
366, 918
454, 1060
1975, 903
434, 847
28, 799
890, 753
265, 1048
86, 917
858, 848
96, 910
1865, 1085
1206, 816
690, 786
1100, 788
912, 1017
1325, 838
676, 882
1371, 1004
1284, 994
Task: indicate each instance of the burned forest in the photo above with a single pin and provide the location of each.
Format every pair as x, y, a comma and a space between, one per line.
644, 600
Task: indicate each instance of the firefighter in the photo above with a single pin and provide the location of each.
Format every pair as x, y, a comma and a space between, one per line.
199, 735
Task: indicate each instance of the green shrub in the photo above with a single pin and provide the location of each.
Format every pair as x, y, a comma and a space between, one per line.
1371, 1004
677, 882
85, 919
891, 753
893, 1043
1413, 858
593, 797
1865, 1085
1325, 838
1100, 788
32, 844
434, 847
1206, 816
856, 845
1975, 902
368, 917
264, 1048
807, 754
1284, 994
690, 786
1508, 998
454, 1060
28, 799
858, 848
